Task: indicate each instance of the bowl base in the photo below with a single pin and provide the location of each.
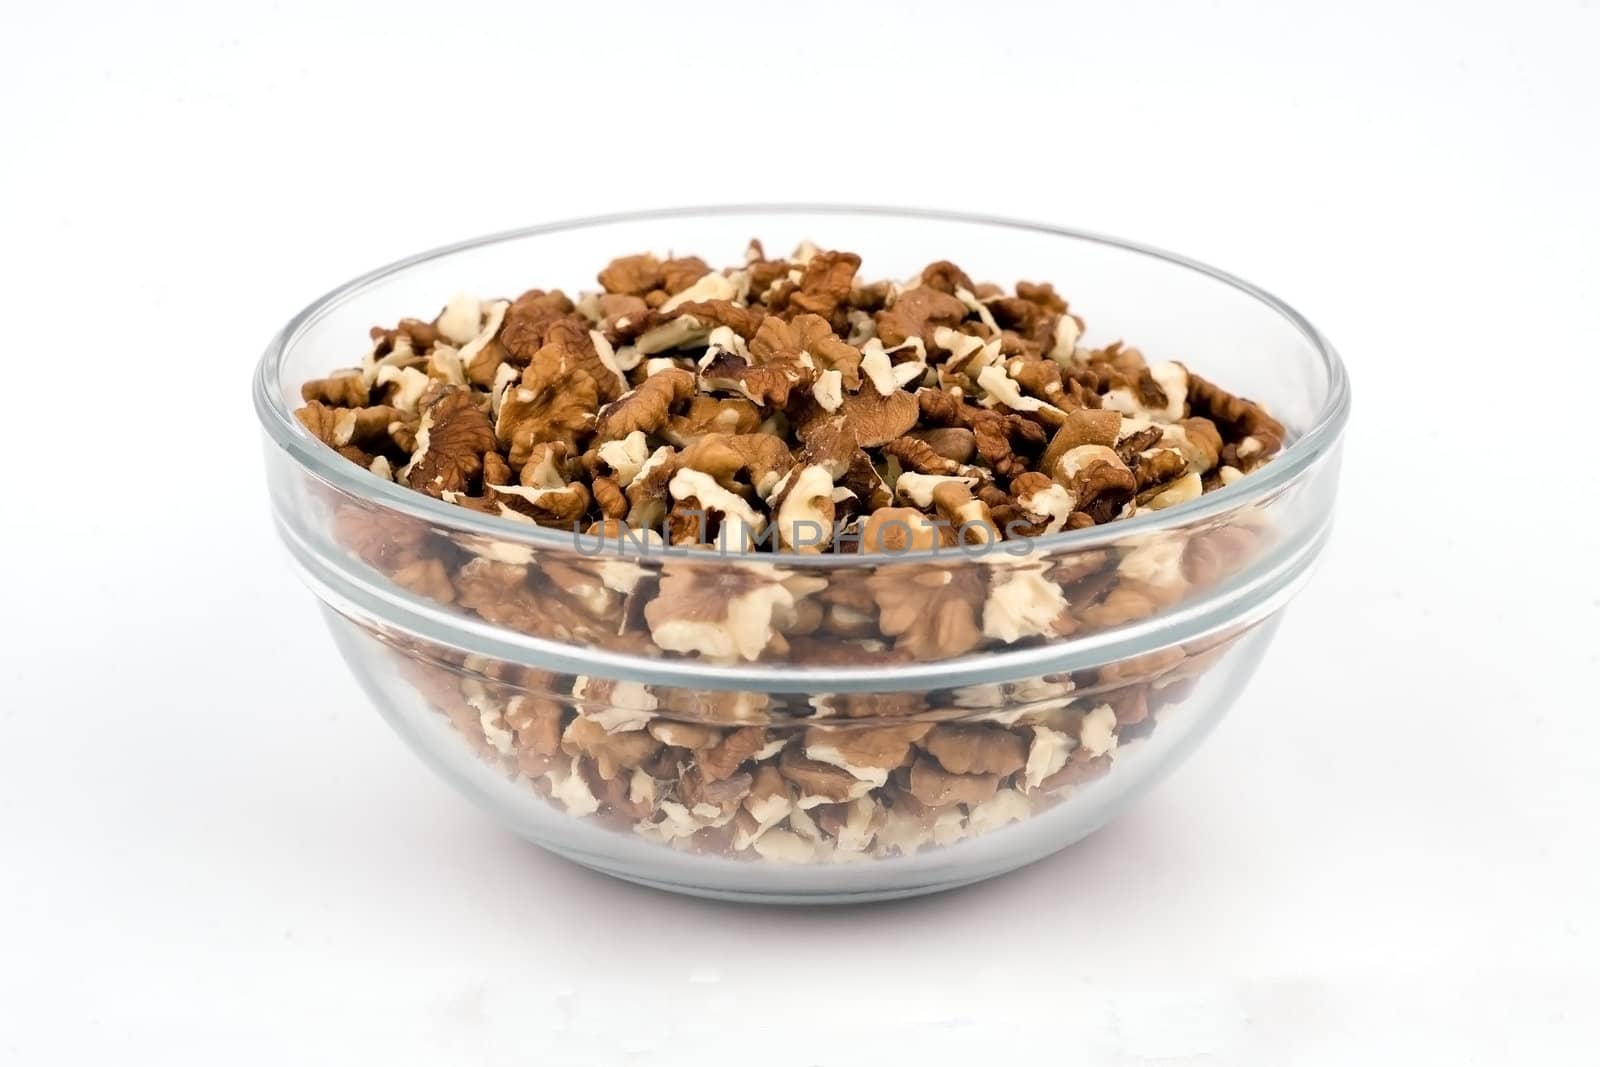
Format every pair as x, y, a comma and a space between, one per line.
900, 891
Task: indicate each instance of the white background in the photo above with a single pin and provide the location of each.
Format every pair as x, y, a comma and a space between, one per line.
211, 849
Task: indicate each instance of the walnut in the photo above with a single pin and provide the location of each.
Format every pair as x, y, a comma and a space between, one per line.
951, 442
701, 498
995, 434
560, 507
946, 277
1100, 483
727, 612
805, 342
1041, 294
647, 491
590, 352
782, 846
921, 457
759, 459
937, 788
528, 321
680, 330
1239, 419
804, 508
683, 734
427, 577
344, 389
613, 753
919, 489
711, 286
970, 517
1097, 731
619, 458
1178, 491
853, 826
647, 406
500, 593
867, 753
1046, 504
1080, 767
878, 419
1211, 555
825, 283
679, 274
571, 789
1002, 390
902, 530
1024, 603
819, 783
931, 611
1047, 754
713, 800
725, 756
631, 275
916, 313
619, 316
1032, 321
743, 321
451, 439
1006, 806
410, 335
1082, 427
890, 369
711, 414
766, 386
1125, 603
868, 491
382, 539
367, 427
536, 724
976, 749
554, 402
1157, 466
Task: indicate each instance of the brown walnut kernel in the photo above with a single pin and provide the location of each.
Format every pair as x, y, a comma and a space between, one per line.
457, 434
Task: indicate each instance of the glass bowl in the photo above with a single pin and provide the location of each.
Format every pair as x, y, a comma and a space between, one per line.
780, 746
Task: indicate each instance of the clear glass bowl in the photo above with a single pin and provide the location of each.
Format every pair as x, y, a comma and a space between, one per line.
809, 761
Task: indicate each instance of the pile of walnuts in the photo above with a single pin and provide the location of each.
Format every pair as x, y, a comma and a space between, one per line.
760, 413
784, 407
828, 778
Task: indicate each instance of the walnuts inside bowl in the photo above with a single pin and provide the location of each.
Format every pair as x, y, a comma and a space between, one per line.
761, 427
780, 407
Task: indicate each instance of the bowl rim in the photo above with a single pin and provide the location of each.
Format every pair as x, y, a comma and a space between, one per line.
278, 420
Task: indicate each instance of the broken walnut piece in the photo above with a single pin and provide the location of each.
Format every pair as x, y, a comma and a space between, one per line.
917, 313
631, 275
723, 610
976, 749
1239, 419
646, 407
930, 611
825, 283
554, 401
819, 782
528, 321
937, 787
868, 753
725, 756
898, 530
612, 752
451, 439
343, 389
